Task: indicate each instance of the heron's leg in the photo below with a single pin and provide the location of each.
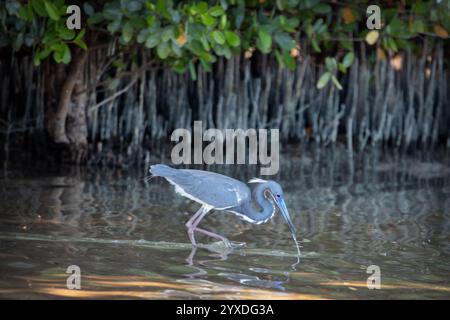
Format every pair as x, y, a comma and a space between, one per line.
214, 235
194, 217
200, 217
206, 232
190, 259
194, 221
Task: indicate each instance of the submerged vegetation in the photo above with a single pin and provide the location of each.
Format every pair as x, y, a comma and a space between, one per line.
138, 69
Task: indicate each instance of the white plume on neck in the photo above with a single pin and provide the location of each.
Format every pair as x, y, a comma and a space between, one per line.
257, 180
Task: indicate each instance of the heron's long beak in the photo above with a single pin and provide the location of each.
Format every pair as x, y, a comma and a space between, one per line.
284, 212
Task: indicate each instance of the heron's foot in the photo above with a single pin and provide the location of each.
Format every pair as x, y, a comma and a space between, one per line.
226, 242
190, 259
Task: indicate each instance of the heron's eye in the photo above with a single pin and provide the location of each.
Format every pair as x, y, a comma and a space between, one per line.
278, 195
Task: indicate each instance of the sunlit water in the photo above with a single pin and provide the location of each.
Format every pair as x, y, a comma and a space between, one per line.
129, 240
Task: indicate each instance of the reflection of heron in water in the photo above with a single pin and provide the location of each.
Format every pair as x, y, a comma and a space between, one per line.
253, 277
219, 192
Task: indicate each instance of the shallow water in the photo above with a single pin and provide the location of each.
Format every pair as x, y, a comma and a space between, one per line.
129, 240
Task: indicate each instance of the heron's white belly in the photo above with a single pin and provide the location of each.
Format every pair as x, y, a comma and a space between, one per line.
244, 217
183, 193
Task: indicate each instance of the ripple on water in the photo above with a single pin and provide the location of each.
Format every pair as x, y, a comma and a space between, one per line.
129, 238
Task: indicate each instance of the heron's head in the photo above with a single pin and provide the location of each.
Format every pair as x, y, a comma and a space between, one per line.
274, 191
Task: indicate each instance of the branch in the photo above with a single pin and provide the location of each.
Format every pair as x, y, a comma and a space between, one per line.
115, 95
147, 66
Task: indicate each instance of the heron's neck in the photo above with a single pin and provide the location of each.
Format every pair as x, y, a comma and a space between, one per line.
267, 207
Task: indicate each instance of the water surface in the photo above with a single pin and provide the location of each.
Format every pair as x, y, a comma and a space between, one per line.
129, 240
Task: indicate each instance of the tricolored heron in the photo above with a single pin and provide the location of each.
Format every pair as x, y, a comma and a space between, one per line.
219, 192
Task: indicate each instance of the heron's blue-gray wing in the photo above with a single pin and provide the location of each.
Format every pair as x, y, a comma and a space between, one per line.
208, 188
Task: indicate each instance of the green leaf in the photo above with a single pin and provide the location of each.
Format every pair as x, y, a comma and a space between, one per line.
336, 82
81, 44
227, 52
52, 11
66, 55
348, 59
206, 65
397, 28
288, 61
293, 22
176, 49
66, 34
218, 37
95, 18
323, 80
134, 6
167, 34
207, 20
206, 57
39, 7
40, 55
315, 45
322, 8
307, 4
200, 8
142, 35
44, 53
390, 44
330, 63
18, 41
179, 66
196, 47
346, 44
150, 20
290, 25
192, 71
175, 16
61, 53
279, 57
89, 9
114, 26
163, 50
232, 39
265, 41
284, 40
216, 11
127, 32
417, 26
279, 4
421, 7
196, 30
152, 41
79, 40
205, 43
36, 60
223, 22
25, 12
